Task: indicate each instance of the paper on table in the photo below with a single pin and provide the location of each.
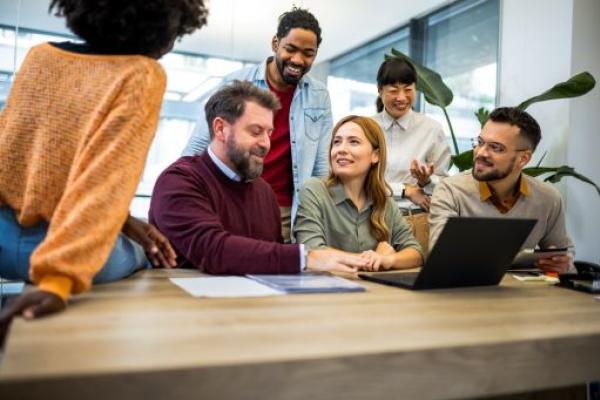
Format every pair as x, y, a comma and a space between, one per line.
224, 286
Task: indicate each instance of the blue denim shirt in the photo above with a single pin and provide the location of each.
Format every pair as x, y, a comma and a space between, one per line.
310, 126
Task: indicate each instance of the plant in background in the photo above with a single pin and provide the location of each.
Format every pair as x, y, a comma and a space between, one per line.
436, 92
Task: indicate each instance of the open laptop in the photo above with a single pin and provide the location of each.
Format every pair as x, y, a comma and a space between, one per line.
469, 252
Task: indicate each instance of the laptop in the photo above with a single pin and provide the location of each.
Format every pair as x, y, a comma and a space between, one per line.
469, 252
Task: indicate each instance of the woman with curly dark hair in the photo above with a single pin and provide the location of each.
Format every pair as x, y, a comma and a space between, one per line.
74, 136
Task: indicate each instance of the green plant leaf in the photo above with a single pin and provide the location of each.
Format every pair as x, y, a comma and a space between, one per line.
558, 173
429, 82
463, 161
578, 85
482, 115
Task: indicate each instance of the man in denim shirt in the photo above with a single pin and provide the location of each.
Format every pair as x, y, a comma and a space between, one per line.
302, 127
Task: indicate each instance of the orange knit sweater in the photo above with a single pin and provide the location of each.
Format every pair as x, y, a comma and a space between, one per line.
74, 136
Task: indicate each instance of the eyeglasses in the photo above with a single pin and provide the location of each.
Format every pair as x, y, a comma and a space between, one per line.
495, 147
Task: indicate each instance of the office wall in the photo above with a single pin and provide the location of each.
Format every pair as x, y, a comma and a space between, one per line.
583, 150
544, 42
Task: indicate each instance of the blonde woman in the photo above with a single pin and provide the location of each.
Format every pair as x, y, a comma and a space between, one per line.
351, 210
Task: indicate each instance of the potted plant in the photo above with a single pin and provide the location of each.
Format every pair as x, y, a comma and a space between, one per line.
436, 92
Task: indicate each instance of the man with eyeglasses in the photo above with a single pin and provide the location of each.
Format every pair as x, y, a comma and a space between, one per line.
496, 186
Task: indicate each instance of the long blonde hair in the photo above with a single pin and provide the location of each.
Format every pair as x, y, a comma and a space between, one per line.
375, 185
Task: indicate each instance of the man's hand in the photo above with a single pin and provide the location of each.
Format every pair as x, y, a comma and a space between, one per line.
30, 305
157, 247
421, 172
334, 260
554, 264
418, 197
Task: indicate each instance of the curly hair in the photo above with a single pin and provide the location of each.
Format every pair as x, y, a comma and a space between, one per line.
298, 18
147, 27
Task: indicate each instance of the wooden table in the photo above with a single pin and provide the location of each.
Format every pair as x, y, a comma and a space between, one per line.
146, 338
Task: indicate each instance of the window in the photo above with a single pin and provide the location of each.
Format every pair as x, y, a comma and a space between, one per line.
462, 45
460, 42
352, 77
191, 77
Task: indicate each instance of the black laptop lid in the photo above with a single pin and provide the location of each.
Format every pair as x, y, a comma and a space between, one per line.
473, 252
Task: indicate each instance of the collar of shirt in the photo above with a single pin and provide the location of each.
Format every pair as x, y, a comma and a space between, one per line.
485, 194
231, 174
403, 122
339, 196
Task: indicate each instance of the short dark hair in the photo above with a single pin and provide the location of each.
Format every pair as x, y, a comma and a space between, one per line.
392, 71
147, 27
298, 18
229, 102
529, 129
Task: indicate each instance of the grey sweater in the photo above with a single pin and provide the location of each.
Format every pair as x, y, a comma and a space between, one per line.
459, 196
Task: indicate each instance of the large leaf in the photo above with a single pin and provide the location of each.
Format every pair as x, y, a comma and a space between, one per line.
463, 161
558, 173
578, 85
482, 115
429, 82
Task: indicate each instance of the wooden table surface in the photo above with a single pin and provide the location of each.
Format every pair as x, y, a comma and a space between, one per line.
146, 338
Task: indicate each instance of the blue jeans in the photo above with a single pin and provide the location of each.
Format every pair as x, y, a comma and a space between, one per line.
17, 243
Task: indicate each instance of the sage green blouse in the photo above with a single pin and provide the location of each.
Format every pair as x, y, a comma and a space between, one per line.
328, 218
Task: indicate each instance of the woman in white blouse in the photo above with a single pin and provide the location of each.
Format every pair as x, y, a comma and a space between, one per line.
418, 153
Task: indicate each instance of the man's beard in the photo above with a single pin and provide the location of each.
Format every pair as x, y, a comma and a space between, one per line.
288, 79
494, 174
246, 167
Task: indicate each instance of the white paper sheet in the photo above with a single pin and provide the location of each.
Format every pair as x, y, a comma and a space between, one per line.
224, 286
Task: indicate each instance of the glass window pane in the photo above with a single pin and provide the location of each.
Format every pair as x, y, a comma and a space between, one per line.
352, 77
462, 45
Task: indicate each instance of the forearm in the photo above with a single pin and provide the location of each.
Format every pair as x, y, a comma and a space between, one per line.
403, 259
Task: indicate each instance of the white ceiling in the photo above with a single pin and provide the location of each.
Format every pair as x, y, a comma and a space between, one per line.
242, 29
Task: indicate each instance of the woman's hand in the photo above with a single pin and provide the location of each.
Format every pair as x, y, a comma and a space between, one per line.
376, 261
384, 248
422, 172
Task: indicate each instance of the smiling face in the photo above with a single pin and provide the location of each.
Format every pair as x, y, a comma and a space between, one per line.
398, 98
499, 152
295, 54
247, 140
351, 155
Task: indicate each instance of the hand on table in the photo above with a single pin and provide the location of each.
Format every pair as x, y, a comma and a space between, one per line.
157, 247
334, 261
29, 305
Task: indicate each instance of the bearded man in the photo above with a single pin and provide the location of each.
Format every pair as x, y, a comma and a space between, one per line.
497, 188
218, 213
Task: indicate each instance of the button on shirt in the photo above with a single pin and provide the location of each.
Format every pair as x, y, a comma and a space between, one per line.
414, 136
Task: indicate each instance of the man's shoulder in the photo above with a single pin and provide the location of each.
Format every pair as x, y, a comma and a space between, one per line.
314, 84
539, 188
463, 180
244, 74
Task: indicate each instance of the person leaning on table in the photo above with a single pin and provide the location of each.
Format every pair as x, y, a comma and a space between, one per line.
352, 210
418, 153
74, 136
496, 187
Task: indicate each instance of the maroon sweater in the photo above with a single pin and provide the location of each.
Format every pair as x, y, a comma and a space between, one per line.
218, 225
